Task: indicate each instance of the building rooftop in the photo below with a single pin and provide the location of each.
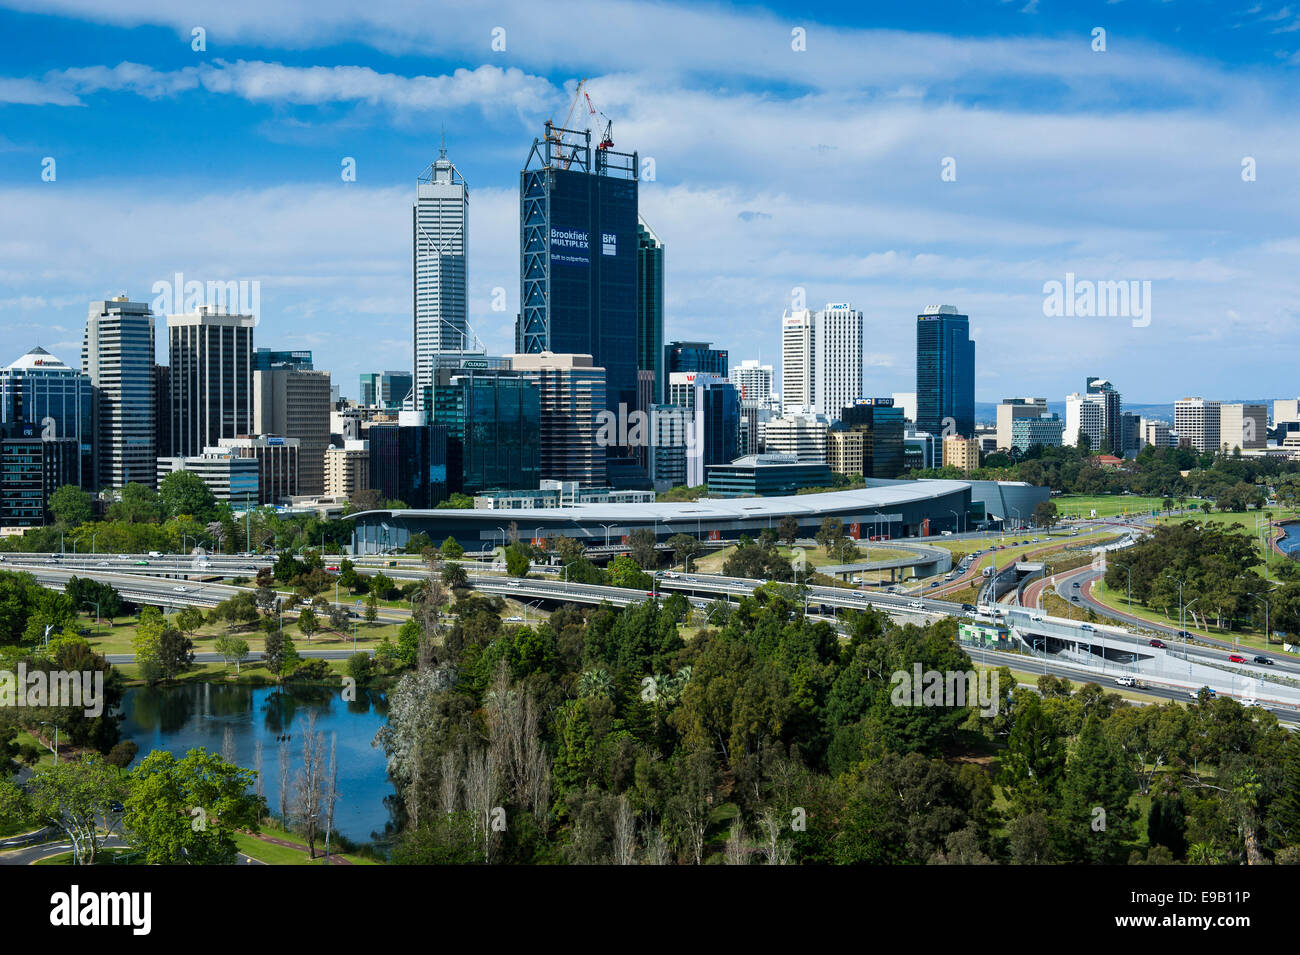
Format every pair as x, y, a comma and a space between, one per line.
881, 496
38, 357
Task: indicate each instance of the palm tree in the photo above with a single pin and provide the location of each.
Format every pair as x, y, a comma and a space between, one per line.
594, 683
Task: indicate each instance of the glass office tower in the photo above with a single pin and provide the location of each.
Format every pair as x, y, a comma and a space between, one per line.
579, 260
945, 372
494, 430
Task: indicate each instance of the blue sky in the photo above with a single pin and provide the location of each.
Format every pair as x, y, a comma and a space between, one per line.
774, 169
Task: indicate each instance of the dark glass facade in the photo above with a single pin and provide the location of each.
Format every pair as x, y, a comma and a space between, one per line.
650, 308
264, 359
883, 426
31, 470
695, 357
409, 463
721, 409
945, 374
494, 429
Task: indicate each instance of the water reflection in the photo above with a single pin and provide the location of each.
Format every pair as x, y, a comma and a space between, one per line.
180, 718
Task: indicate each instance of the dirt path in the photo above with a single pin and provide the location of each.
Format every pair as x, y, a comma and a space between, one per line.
277, 841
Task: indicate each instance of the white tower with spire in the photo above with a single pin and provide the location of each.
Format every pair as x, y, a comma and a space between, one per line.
439, 224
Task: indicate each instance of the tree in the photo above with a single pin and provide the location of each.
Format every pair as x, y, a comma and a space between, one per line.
519, 560
641, 546
451, 549
624, 572
308, 622
789, 529
280, 656
76, 797
372, 608
175, 652
829, 533
187, 811
1045, 514
232, 650
189, 619
136, 504
184, 492
454, 576
70, 506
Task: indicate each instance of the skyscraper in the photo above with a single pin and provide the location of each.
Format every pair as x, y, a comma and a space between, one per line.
945, 372
494, 429
439, 238
386, 390
1085, 415
212, 379
650, 305
579, 260
697, 357
1112, 441
40, 390
117, 353
571, 390
837, 359
798, 351
1197, 422
295, 403
754, 381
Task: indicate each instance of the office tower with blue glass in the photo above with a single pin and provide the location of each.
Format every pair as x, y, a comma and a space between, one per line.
40, 390
579, 265
945, 372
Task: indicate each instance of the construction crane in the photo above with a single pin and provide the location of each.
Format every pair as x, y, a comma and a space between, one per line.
607, 137
557, 138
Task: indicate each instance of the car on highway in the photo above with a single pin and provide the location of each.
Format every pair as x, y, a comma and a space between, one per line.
1036, 617
1209, 690
1184, 634
514, 619
967, 606
934, 583
1126, 681
1075, 585
333, 568
916, 605
1249, 702
512, 583
1264, 660
123, 556
1158, 644
102, 563
142, 563
1236, 658
1087, 626
179, 590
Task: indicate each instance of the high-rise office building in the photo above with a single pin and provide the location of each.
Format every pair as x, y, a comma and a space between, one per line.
117, 354
347, 468
32, 468
439, 238
494, 429
1112, 439
162, 410
716, 408
1044, 431
882, 426
1197, 422
961, 453
385, 390
1243, 426
799, 435
798, 352
945, 372
40, 390
292, 403
650, 306
572, 396
837, 358
755, 383
579, 262
1085, 416
1012, 409
408, 463
211, 358
695, 357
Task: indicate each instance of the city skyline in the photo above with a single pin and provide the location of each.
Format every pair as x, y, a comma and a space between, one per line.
1055, 174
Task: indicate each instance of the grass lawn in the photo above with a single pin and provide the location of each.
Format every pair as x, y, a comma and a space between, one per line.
1112, 505
273, 854
1252, 639
104, 857
119, 638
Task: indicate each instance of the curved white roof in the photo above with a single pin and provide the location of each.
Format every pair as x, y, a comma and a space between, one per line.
38, 359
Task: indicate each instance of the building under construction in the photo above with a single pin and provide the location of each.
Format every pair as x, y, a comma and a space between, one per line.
578, 259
